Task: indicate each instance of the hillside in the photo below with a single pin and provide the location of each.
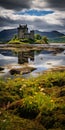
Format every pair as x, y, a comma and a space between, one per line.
6, 35
58, 39
53, 36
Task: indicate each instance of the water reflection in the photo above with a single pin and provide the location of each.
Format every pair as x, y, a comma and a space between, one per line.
7, 57
45, 60
42, 61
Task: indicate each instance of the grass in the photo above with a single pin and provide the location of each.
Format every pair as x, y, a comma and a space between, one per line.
11, 122
58, 40
39, 101
21, 41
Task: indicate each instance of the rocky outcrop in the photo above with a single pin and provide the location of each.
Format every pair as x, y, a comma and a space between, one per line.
23, 70
1, 68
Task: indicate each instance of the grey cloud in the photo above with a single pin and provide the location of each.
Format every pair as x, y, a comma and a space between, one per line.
56, 4
6, 21
21, 4
15, 4
43, 25
37, 24
26, 4
50, 4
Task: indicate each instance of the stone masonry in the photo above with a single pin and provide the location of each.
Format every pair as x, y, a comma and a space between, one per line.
23, 32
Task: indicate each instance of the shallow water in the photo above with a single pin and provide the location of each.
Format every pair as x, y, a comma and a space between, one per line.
43, 60
7, 57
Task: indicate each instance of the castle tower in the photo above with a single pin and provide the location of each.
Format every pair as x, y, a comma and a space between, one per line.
32, 34
22, 30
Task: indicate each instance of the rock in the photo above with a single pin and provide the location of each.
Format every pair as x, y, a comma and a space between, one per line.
23, 70
14, 71
1, 68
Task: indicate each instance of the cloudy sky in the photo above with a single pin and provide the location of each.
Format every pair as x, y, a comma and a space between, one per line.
43, 15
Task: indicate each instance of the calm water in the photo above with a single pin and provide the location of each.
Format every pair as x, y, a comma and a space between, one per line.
7, 57
4, 60
42, 60
45, 60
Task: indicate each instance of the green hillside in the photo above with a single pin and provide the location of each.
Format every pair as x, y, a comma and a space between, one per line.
58, 39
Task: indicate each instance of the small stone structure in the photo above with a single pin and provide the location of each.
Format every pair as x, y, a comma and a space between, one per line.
23, 32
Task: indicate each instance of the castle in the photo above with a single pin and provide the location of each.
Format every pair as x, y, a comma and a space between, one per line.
23, 32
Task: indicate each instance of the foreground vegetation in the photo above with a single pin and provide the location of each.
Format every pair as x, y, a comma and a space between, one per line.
33, 104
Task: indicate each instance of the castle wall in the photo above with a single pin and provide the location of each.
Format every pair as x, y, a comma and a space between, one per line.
23, 32
32, 34
20, 34
27, 35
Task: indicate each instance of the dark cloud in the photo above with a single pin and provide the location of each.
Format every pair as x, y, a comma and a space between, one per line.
4, 22
37, 24
56, 4
44, 26
21, 4
15, 4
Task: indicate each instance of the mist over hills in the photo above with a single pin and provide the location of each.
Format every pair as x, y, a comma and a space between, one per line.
6, 35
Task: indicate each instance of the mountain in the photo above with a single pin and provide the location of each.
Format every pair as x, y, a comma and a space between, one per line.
52, 34
6, 35
58, 40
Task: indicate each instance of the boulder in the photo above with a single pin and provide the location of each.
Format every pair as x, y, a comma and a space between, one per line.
23, 70
1, 68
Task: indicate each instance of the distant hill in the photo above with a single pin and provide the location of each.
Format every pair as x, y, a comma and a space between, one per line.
6, 35
58, 40
53, 36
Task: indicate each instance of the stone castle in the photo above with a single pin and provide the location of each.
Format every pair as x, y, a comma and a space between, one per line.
23, 32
